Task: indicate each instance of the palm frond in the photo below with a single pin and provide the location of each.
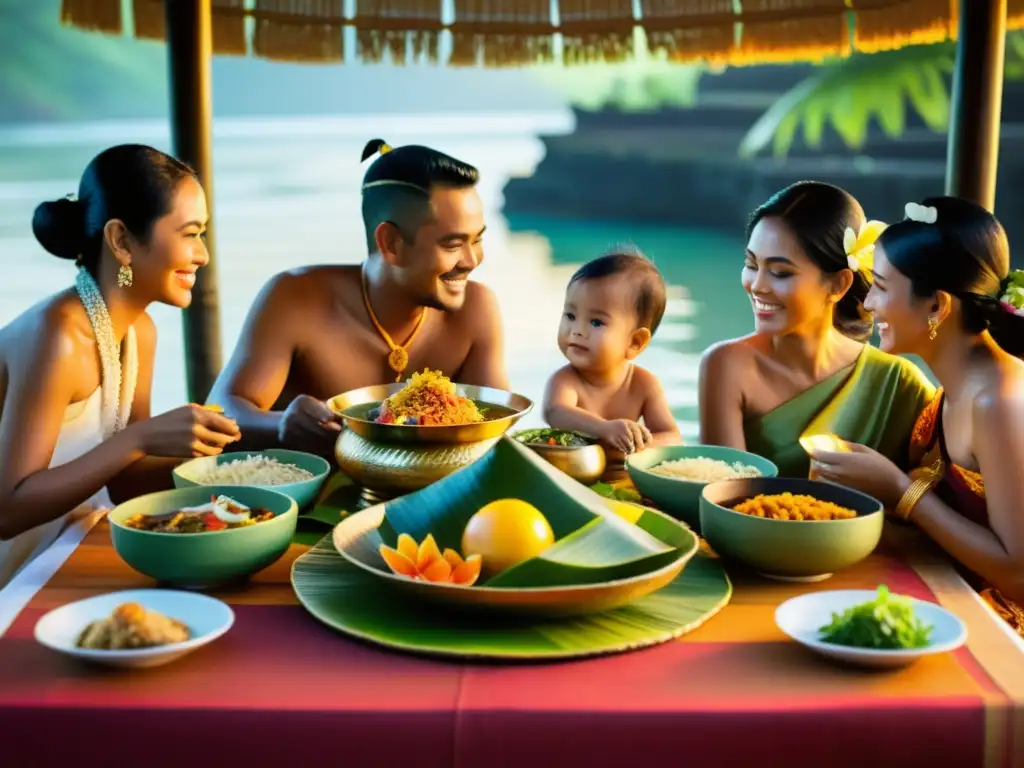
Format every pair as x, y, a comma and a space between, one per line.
849, 94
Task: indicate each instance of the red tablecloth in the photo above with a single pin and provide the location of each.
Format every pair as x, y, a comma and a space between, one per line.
282, 689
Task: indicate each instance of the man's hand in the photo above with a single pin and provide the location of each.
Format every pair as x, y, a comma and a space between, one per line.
309, 425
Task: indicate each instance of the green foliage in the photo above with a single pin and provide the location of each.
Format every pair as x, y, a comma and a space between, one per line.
629, 87
48, 71
849, 93
642, 84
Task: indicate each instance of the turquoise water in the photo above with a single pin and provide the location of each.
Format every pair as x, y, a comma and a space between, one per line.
286, 193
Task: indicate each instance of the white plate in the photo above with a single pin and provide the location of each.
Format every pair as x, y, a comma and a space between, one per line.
206, 618
802, 617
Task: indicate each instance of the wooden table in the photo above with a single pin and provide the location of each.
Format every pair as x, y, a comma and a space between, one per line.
282, 689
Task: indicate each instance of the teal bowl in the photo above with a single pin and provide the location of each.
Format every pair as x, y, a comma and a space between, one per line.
790, 550
681, 498
191, 473
202, 560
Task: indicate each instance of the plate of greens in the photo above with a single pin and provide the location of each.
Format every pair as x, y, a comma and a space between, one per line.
870, 628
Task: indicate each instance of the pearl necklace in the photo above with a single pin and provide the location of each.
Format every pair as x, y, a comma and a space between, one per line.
118, 392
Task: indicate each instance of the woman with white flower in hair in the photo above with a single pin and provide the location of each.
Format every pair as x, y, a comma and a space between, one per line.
76, 369
807, 369
943, 290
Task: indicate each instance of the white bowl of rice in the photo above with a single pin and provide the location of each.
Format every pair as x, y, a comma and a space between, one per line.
673, 476
294, 473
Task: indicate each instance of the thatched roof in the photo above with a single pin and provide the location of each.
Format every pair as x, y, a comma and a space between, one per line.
498, 33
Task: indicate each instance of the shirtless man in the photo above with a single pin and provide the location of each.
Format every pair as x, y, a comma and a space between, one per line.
320, 331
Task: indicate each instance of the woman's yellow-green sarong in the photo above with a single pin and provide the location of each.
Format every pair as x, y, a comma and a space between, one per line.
875, 404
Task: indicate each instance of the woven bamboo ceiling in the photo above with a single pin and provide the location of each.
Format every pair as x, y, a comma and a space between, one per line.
502, 33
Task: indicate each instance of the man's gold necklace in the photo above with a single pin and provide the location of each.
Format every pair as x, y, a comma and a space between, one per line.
398, 358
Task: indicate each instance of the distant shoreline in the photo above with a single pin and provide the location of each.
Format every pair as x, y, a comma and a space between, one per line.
342, 126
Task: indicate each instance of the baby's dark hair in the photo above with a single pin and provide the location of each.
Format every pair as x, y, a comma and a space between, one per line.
631, 263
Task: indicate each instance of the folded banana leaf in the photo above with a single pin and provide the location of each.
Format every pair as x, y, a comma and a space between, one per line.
593, 544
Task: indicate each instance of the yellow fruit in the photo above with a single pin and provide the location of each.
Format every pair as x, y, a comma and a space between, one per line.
506, 532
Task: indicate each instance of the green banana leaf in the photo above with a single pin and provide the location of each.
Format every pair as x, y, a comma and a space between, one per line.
593, 544
352, 601
609, 491
592, 554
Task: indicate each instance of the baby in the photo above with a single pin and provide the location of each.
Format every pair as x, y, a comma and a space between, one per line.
613, 306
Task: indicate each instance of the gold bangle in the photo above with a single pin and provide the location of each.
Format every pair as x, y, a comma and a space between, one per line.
912, 496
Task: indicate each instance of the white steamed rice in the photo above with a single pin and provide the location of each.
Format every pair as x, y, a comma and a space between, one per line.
255, 470
702, 470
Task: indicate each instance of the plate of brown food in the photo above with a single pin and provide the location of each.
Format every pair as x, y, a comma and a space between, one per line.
135, 628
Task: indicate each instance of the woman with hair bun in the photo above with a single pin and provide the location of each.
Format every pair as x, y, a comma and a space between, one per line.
944, 291
76, 369
806, 369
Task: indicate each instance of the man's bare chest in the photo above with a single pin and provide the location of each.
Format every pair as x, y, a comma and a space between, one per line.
340, 359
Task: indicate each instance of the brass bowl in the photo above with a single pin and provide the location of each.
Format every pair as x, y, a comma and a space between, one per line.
389, 460
583, 463
386, 470
503, 409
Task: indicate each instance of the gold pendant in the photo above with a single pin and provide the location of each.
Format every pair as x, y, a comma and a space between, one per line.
398, 359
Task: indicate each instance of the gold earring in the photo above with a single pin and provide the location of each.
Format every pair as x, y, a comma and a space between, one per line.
933, 328
124, 276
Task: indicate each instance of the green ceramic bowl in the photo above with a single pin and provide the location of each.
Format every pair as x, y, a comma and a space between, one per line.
790, 550
681, 498
191, 473
201, 560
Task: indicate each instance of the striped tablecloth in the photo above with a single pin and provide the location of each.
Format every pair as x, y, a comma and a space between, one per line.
281, 689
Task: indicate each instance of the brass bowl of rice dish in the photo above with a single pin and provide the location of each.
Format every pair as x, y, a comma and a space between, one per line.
447, 412
674, 476
401, 437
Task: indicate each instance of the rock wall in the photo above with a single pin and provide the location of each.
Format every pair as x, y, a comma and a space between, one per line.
681, 166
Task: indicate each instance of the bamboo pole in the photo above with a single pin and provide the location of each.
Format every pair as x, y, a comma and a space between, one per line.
189, 52
972, 157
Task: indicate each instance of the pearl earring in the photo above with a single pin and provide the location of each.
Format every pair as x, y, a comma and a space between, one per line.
124, 276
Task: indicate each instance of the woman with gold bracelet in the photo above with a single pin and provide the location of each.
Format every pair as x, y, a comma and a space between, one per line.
943, 290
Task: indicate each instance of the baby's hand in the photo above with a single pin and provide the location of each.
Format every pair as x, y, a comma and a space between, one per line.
626, 436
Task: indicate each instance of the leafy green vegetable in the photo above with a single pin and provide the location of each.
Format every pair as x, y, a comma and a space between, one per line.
619, 494
549, 436
887, 622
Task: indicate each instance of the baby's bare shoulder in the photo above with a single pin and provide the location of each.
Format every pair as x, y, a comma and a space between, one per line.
564, 378
645, 382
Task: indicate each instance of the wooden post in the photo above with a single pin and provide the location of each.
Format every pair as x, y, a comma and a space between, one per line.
189, 53
972, 157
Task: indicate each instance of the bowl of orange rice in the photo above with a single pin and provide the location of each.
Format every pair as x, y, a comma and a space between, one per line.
790, 529
401, 437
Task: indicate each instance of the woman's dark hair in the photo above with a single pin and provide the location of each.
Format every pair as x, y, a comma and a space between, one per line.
818, 215
964, 253
130, 182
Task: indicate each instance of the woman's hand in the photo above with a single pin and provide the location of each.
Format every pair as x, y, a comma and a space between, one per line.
187, 432
863, 469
